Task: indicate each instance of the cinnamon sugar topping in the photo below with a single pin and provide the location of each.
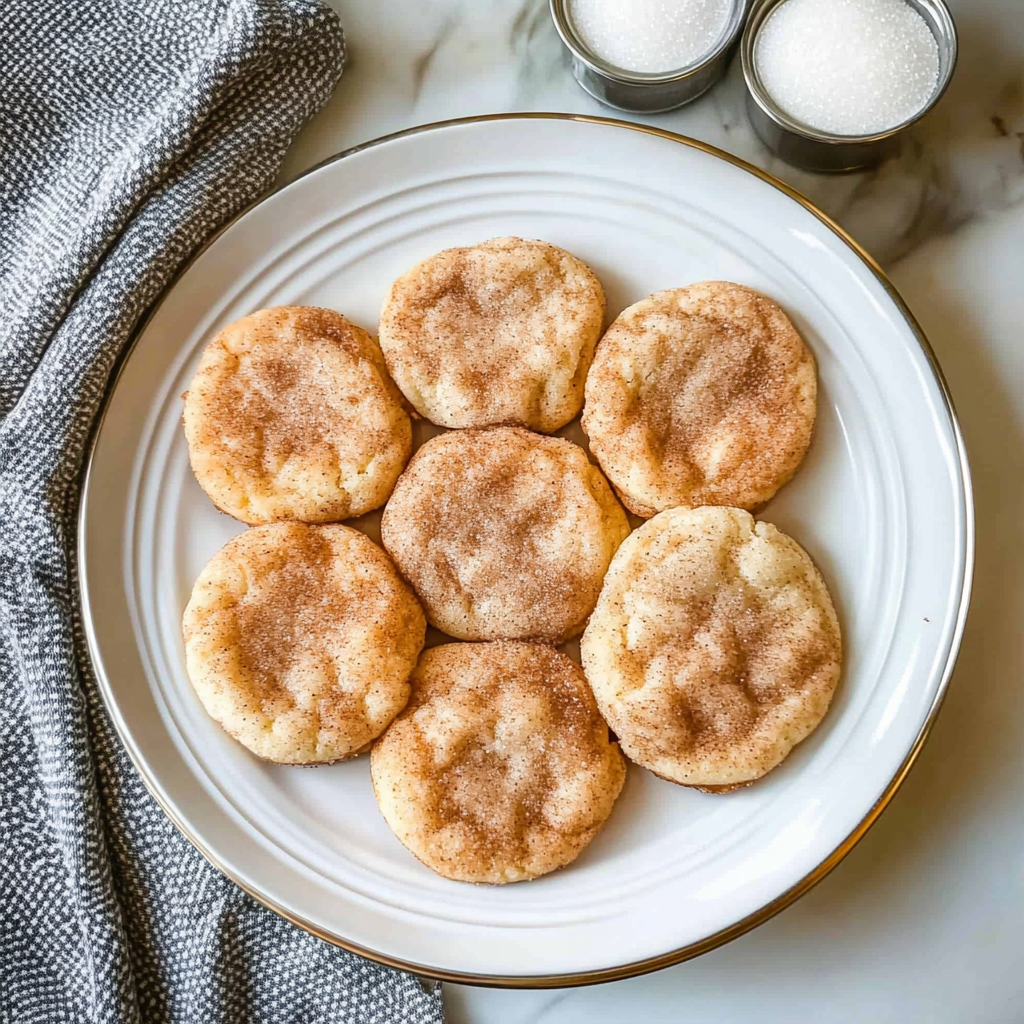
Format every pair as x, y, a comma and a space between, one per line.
300, 639
500, 769
700, 396
497, 333
714, 647
504, 534
292, 415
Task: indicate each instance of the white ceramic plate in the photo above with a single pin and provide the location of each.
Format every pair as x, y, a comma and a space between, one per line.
882, 504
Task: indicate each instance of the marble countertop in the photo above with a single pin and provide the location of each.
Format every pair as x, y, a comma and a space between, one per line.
923, 920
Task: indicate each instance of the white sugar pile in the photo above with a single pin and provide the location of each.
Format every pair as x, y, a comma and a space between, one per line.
653, 36
849, 67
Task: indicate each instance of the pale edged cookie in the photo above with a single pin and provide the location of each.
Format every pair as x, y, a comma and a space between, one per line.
704, 395
497, 333
714, 648
299, 641
291, 414
503, 533
500, 769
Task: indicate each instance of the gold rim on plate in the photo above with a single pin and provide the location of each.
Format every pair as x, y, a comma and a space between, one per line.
734, 931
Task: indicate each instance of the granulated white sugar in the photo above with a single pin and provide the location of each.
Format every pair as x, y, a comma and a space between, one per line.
653, 36
849, 67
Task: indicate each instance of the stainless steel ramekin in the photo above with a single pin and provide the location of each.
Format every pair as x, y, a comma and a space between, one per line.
814, 150
638, 91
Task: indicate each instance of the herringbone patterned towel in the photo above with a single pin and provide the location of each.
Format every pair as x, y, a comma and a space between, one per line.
129, 131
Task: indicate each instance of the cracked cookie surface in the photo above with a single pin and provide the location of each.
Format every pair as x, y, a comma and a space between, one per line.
291, 414
714, 648
503, 533
704, 395
299, 641
501, 768
500, 333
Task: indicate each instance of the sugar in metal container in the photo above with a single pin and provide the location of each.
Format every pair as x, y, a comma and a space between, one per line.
643, 92
815, 150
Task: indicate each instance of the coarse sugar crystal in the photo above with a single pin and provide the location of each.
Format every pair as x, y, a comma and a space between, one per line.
650, 36
848, 67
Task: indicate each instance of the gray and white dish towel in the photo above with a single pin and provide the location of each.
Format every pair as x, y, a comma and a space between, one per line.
130, 130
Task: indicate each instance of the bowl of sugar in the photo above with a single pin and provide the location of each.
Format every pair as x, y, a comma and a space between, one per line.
648, 56
833, 84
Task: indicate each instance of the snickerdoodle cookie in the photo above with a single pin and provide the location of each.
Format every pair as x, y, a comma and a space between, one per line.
714, 647
292, 415
501, 768
497, 333
700, 396
299, 641
503, 533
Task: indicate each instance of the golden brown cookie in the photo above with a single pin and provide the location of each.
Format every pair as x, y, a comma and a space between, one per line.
292, 415
497, 333
500, 769
503, 533
703, 395
299, 641
714, 648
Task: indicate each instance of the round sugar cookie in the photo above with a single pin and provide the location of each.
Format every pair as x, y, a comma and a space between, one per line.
714, 648
703, 395
497, 333
299, 641
501, 768
503, 533
292, 415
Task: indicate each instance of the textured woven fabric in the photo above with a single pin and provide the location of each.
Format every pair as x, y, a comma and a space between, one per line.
129, 131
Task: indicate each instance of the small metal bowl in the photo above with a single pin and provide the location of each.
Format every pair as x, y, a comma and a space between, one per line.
815, 150
640, 92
